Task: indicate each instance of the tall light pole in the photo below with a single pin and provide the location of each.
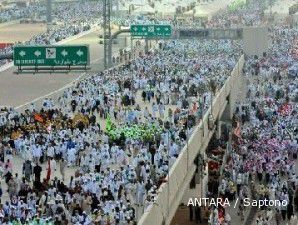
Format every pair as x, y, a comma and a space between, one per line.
49, 13
107, 32
271, 5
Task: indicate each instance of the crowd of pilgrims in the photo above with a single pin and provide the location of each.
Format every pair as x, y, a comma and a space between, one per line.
263, 161
251, 15
113, 179
61, 12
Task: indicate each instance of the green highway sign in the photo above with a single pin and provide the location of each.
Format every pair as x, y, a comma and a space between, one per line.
63, 55
151, 31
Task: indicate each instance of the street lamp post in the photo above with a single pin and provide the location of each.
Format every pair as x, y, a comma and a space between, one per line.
107, 32
49, 14
271, 4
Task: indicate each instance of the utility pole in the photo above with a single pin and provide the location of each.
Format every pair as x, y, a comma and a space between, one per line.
107, 32
49, 14
117, 3
271, 15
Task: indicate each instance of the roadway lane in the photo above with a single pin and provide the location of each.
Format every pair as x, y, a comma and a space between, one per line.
14, 31
16, 90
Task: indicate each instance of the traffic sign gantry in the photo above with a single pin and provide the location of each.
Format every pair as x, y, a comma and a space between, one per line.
74, 55
151, 31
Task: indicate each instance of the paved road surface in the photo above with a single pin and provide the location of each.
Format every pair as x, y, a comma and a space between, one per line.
14, 32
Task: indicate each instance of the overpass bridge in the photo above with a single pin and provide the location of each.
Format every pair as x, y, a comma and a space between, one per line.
255, 38
180, 175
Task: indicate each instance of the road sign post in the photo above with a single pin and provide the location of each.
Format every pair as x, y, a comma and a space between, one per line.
51, 57
151, 31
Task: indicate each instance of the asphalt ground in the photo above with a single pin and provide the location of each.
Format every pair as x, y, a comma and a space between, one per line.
14, 31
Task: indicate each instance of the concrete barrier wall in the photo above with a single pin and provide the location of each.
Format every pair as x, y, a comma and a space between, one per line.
171, 193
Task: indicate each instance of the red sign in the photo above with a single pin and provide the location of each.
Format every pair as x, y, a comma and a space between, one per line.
5, 45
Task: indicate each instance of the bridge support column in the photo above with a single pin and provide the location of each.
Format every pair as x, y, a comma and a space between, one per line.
146, 46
